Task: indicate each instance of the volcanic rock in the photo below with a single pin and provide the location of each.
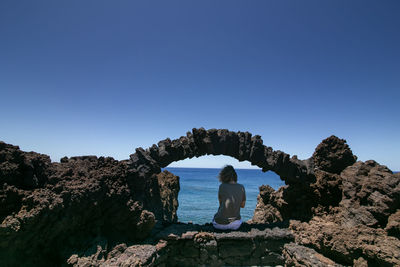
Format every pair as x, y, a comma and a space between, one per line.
333, 155
48, 210
99, 211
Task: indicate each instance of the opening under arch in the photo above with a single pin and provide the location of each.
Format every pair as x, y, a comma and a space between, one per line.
198, 196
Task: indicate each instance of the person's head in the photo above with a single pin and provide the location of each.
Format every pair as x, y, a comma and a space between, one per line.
227, 174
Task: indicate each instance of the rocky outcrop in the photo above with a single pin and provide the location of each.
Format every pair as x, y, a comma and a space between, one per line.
297, 255
393, 225
194, 245
101, 211
363, 225
239, 145
333, 155
354, 210
345, 244
303, 198
49, 210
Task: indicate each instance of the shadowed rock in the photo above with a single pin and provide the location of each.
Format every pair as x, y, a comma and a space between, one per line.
297, 255
240, 145
104, 211
315, 193
333, 155
195, 245
355, 228
48, 210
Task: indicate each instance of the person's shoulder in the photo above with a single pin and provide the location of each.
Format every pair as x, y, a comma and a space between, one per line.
241, 186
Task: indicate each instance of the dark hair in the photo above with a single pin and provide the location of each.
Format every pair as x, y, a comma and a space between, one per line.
227, 174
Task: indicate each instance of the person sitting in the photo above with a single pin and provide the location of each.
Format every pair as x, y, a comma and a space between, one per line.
232, 197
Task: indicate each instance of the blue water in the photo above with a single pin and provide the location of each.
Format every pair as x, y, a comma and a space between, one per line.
198, 196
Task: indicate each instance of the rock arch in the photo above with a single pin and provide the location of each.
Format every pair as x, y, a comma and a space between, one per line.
118, 202
312, 185
239, 145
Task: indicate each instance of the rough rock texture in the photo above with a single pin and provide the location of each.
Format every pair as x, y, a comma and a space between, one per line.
120, 255
297, 255
333, 155
49, 210
108, 212
352, 209
52, 209
303, 198
193, 245
169, 183
393, 225
240, 145
356, 227
344, 244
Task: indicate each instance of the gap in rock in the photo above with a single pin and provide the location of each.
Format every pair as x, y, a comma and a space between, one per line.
198, 195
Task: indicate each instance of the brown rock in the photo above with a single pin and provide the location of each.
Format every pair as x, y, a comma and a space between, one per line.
393, 226
265, 212
333, 155
347, 212
50, 210
345, 244
297, 255
169, 189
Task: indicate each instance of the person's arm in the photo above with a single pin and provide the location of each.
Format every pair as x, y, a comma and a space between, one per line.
243, 199
219, 195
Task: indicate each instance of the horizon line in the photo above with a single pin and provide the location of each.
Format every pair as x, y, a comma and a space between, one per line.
211, 168
222, 167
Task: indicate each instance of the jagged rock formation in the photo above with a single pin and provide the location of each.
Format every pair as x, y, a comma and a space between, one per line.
355, 215
358, 227
49, 210
194, 245
297, 255
239, 145
303, 198
104, 211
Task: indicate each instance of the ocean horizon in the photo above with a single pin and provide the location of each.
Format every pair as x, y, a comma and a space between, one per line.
198, 195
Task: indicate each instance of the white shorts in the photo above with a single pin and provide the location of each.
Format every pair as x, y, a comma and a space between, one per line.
231, 226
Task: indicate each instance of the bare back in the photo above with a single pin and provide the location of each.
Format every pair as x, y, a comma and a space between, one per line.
231, 197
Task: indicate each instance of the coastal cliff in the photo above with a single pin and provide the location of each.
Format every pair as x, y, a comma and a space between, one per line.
99, 211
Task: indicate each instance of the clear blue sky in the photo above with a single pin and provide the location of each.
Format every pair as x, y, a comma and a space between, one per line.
104, 77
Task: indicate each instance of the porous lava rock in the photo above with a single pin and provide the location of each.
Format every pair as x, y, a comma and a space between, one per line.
359, 226
239, 145
99, 211
49, 210
333, 155
352, 210
393, 225
344, 244
301, 199
297, 255
196, 245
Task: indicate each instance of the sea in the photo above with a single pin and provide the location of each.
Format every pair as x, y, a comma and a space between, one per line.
198, 195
